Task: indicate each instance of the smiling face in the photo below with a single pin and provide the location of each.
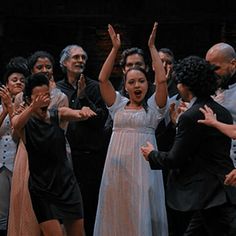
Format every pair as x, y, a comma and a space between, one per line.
75, 63
15, 83
43, 65
41, 112
136, 85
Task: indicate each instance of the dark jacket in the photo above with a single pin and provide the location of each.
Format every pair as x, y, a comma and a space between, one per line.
85, 135
199, 160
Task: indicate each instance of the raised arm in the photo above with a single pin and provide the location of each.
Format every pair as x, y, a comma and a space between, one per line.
160, 76
210, 120
106, 87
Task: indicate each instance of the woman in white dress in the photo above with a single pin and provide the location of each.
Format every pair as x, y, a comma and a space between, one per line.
131, 198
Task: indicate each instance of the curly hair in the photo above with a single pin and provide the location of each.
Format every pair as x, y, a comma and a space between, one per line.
34, 80
16, 65
197, 74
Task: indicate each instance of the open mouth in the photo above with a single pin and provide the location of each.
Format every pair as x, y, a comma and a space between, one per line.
44, 109
138, 92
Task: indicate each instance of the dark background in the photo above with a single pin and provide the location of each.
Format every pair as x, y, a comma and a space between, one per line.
186, 27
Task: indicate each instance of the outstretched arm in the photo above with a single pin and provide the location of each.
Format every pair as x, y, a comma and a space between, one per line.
210, 120
68, 114
106, 88
160, 76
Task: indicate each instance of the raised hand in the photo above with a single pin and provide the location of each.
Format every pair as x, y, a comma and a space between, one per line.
174, 113
115, 38
81, 85
168, 72
152, 38
160, 74
210, 117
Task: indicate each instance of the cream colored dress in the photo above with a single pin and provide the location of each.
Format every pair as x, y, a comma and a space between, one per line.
22, 221
131, 197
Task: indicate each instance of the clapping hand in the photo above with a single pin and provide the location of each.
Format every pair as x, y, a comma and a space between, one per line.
81, 85
168, 72
175, 112
6, 98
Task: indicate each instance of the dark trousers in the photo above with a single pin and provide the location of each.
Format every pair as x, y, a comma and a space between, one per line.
3, 232
178, 221
215, 221
88, 168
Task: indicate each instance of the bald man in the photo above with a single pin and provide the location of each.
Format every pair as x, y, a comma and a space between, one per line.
224, 57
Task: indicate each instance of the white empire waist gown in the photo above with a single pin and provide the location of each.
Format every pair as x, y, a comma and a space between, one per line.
131, 197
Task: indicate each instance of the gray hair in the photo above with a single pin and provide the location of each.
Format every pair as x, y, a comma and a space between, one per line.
66, 52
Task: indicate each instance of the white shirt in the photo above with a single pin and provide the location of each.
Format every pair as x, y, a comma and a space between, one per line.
227, 98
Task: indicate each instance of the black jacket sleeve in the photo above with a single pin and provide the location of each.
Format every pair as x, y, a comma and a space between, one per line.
185, 144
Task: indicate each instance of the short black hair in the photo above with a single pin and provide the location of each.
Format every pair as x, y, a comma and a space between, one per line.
39, 54
167, 51
131, 51
34, 80
197, 74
